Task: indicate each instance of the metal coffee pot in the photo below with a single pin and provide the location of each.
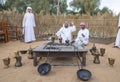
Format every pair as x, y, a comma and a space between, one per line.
60, 40
53, 39
30, 52
18, 60
67, 42
94, 51
96, 59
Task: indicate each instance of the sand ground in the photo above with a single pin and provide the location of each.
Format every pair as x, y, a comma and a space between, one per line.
28, 73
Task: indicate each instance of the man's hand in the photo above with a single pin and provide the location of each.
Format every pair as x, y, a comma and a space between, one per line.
83, 35
72, 23
72, 42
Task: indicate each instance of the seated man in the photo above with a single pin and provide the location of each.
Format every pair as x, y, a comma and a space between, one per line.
83, 34
66, 32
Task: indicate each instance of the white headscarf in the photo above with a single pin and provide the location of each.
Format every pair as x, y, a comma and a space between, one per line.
28, 8
66, 22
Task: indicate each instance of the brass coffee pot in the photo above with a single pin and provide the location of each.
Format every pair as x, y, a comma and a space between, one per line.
111, 61
6, 62
94, 51
60, 40
102, 51
53, 39
96, 58
30, 52
18, 59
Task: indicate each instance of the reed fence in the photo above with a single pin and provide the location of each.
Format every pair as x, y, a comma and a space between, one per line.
103, 26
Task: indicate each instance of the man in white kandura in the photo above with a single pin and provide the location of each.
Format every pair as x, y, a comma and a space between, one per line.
117, 42
83, 34
66, 32
28, 25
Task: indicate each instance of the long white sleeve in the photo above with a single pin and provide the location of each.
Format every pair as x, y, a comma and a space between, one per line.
59, 32
119, 22
73, 28
87, 34
24, 20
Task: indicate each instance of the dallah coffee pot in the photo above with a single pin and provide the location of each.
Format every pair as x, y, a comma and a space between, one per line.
18, 60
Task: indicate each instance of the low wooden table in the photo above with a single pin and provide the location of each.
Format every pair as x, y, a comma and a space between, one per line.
58, 51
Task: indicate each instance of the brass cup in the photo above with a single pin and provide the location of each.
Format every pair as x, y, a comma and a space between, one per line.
6, 62
102, 51
111, 61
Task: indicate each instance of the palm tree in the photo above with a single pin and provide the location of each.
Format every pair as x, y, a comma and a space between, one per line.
105, 9
86, 6
63, 6
48, 6
58, 6
21, 5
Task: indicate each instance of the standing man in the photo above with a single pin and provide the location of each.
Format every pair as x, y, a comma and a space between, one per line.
83, 34
66, 32
117, 42
28, 25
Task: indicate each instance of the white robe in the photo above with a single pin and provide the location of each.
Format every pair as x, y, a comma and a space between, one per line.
84, 40
28, 25
66, 33
117, 42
